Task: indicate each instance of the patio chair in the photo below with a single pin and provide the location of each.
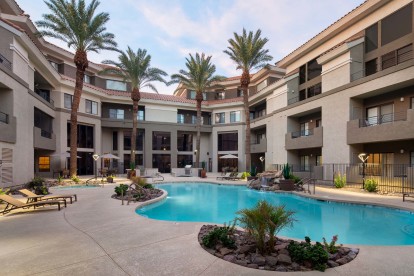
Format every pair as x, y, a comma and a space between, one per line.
13, 203
227, 176
32, 197
237, 177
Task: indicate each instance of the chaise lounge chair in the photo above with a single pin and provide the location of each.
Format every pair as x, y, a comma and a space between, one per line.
13, 203
32, 197
227, 176
237, 177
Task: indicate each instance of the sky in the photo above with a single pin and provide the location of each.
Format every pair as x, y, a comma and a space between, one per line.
171, 29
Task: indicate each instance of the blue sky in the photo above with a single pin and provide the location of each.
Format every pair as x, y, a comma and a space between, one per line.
171, 29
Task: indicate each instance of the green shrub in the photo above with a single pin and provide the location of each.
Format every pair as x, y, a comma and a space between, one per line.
36, 182
286, 171
305, 251
253, 171
4, 192
75, 179
41, 190
245, 175
340, 180
220, 234
295, 178
121, 189
331, 247
264, 219
371, 185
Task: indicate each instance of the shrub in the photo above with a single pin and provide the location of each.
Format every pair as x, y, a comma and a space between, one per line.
41, 190
3, 192
121, 189
371, 185
305, 251
36, 182
75, 179
331, 247
253, 171
286, 171
294, 178
220, 234
264, 219
245, 175
340, 180
142, 182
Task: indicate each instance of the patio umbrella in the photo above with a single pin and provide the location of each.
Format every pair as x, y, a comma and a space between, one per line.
109, 156
229, 156
65, 155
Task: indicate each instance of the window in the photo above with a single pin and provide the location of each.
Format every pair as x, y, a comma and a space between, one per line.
183, 160
412, 159
304, 129
54, 65
401, 18
91, 107
404, 53
220, 118
304, 163
141, 115
380, 114
302, 74
85, 136
192, 94
371, 67
314, 90
220, 96
228, 141
184, 142
204, 96
314, 69
44, 164
86, 79
139, 142
115, 140
68, 101
139, 160
318, 160
161, 140
234, 116
388, 60
318, 122
116, 114
371, 38
302, 95
239, 92
180, 118
116, 85
44, 122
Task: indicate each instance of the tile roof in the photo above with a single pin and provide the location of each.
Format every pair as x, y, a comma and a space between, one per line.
324, 30
8, 22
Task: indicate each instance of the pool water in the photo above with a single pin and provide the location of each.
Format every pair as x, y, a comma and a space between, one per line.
353, 223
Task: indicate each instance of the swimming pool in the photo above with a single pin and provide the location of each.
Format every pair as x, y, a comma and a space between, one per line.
353, 223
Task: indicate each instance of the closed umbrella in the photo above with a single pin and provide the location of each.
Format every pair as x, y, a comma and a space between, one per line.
229, 156
109, 156
65, 155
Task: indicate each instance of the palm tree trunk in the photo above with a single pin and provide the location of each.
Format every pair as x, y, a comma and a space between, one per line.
199, 99
81, 62
244, 82
135, 96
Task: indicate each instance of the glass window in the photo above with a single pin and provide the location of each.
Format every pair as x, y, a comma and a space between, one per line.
228, 141
220, 96
239, 92
371, 38
405, 53
318, 160
161, 140
85, 136
44, 164
314, 90
302, 74
396, 25
141, 115
184, 142
371, 67
183, 160
180, 118
86, 79
116, 114
234, 116
68, 101
314, 69
54, 65
139, 161
91, 107
115, 140
304, 163
220, 118
388, 60
44, 122
318, 122
139, 142
192, 94
304, 129
116, 85
302, 95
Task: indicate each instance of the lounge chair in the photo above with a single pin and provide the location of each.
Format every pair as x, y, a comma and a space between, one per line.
237, 177
227, 176
32, 197
13, 203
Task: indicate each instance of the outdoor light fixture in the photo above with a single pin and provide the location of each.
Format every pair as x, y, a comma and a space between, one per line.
96, 157
363, 157
195, 152
261, 158
402, 151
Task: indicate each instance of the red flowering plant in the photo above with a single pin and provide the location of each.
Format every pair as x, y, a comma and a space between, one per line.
331, 247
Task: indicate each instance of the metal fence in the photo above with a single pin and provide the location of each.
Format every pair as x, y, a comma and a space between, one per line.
391, 178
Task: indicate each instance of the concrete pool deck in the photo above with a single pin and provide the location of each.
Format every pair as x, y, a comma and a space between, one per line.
99, 236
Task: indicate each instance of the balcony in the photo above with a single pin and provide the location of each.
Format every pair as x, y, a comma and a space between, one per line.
7, 128
5, 62
388, 127
258, 146
45, 95
310, 138
43, 139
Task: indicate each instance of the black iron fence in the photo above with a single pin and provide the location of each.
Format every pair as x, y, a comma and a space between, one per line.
383, 119
300, 133
4, 118
5, 62
390, 178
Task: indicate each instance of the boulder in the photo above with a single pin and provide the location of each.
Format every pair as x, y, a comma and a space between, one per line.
224, 251
270, 260
241, 262
284, 251
230, 258
253, 266
342, 261
246, 248
281, 268
281, 246
258, 259
332, 263
284, 259
351, 255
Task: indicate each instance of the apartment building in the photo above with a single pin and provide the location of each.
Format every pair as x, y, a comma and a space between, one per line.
349, 89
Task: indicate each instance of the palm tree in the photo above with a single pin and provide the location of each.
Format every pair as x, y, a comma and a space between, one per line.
76, 23
135, 68
198, 77
247, 52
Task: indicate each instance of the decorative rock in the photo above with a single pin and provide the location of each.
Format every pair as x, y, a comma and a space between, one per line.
246, 248
355, 250
270, 260
259, 260
230, 258
241, 262
224, 251
281, 246
284, 251
281, 268
332, 264
342, 261
218, 255
344, 250
253, 266
351, 255
295, 266
284, 259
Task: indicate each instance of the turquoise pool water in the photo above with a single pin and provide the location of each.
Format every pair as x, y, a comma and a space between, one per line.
355, 224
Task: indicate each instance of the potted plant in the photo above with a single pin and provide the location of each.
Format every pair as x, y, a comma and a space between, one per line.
131, 173
286, 184
110, 179
253, 173
203, 170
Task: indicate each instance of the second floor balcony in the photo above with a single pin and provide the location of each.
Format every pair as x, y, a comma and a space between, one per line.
43, 139
258, 145
5, 62
308, 138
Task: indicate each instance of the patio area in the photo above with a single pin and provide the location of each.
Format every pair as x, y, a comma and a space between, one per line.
99, 236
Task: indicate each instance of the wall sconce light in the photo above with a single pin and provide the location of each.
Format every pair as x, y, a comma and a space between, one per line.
401, 151
401, 99
195, 152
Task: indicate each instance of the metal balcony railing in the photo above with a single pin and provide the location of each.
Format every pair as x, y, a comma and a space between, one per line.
302, 133
4, 118
5, 62
383, 119
45, 94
